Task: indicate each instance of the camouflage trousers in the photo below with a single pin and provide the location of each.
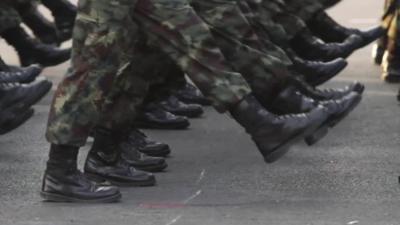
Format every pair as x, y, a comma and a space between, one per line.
266, 71
9, 17
99, 83
102, 53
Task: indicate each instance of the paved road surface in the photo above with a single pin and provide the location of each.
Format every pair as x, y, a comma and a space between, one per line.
217, 177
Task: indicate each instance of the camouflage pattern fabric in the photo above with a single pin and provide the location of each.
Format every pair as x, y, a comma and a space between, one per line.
97, 86
266, 73
102, 42
175, 29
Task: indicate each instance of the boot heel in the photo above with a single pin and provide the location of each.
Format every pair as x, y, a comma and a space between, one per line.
316, 136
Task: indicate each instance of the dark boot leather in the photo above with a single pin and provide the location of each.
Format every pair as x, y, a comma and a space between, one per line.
154, 117
317, 73
74, 186
21, 75
102, 168
189, 94
25, 95
64, 13
147, 146
173, 105
32, 52
274, 134
290, 101
329, 30
40, 26
133, 157
327, 93
114, 145
313, 48
13, 117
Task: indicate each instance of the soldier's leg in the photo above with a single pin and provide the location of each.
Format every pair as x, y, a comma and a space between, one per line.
114, 155
329, 30
175, 28
101, 38
265, 74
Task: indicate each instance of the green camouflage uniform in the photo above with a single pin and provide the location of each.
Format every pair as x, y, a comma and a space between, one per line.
264, 70
103, 55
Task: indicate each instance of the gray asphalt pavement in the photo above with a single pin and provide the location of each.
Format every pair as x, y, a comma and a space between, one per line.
216, 176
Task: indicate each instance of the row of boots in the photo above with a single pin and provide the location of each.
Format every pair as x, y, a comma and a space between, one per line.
299, 112
20, 89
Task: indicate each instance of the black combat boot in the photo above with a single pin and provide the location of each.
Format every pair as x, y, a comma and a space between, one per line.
13, 117
152, 116
274, 134
104, 163
147, 146
189, 94
313, 48
291, 101
32, 52
63, 182
316, 72
391, 68
20, 75
130, 153
24, 95
173, 105
40, 26
327, 93
329, 30
64, 13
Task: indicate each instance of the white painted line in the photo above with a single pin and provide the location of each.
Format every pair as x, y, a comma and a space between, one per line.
192, 197
176, 219
201, 177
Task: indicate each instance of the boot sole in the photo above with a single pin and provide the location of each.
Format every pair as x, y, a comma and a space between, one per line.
281, 150
50, 197
317, 135
164, 154
330, 122
334, 121
101, 179
153, 168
